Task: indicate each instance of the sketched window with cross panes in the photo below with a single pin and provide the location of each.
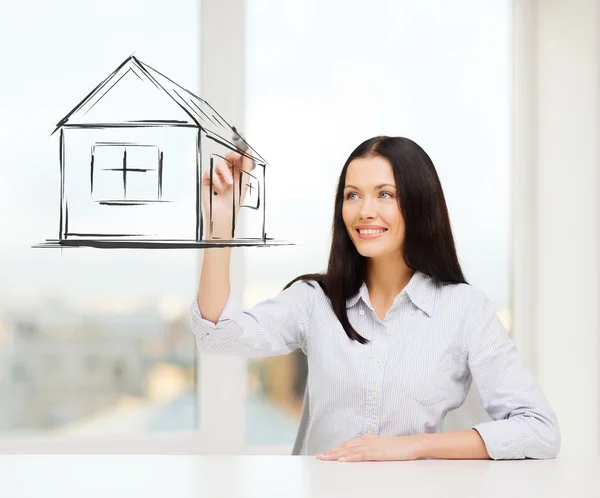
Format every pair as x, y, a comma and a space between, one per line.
126, 173
252, 197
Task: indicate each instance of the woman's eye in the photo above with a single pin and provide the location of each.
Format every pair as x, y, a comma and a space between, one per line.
388, 194
349, 196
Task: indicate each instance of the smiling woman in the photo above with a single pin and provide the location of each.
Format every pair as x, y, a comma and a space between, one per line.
392, 332
325, 86
390, 219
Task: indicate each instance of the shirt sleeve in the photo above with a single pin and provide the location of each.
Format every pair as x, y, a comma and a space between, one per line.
275, 326
524, 424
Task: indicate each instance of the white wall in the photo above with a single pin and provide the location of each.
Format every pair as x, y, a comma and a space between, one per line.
556, 216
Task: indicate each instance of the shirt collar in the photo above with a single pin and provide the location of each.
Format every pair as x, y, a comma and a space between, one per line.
363, 293
420, 290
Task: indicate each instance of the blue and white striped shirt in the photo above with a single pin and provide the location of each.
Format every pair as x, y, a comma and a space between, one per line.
418, 365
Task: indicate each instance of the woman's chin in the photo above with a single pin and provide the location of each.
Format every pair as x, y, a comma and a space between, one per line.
371, 251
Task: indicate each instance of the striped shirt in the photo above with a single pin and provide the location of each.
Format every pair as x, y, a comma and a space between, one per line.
419, 364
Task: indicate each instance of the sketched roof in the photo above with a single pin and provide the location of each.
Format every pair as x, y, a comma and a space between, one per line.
200, 112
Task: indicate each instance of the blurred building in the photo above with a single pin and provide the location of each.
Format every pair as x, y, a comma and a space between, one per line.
58, 365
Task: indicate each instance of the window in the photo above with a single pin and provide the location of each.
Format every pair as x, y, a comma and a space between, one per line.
337, 74
91, 341
130, 173
252, 197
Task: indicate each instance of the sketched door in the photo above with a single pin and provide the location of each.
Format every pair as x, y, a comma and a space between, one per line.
249, 207
215, 159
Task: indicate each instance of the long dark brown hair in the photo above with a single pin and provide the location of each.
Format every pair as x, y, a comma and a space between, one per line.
428, 241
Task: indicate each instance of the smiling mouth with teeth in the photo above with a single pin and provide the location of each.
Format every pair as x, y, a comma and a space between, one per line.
370, 233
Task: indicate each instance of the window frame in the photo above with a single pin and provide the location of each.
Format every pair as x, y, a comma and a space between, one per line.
222, 381
125, 173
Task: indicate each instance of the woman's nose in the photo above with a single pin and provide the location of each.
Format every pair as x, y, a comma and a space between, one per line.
367, 209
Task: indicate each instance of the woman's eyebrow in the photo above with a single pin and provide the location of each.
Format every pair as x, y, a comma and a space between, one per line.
381, 185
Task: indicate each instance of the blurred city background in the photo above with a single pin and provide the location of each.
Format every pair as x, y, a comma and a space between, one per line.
99, 342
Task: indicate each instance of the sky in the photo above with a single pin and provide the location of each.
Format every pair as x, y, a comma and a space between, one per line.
320, 78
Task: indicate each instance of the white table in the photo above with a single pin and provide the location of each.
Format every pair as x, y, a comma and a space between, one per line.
165, 476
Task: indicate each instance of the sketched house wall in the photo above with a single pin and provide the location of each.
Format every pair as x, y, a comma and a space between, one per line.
132, 156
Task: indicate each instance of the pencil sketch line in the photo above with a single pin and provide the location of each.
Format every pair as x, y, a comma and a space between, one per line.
139, 170
233, 215
61, 155
90, 95
147, 75
216, 138
264, 207
121, 203
160, 172
199, 199
240, 186
250, 187
118, 202
133, 70
147, 66
107, 90
107, 243
133, 124
151, 241
125, 173
92, 170
210, 202
189, 112
74, 234
192, 94
66, 218
173, 240
254, 153
132, 244
129, 144
165, 121
199, 109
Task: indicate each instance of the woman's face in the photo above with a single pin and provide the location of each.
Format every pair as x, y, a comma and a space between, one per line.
370, 208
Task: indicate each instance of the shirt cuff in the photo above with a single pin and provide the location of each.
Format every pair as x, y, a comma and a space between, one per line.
502, 439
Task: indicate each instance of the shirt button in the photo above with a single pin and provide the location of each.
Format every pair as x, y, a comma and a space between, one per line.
374, 395
379, 360
371, 431
362, 312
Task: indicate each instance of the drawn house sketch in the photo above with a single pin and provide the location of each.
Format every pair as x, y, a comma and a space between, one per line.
132, 156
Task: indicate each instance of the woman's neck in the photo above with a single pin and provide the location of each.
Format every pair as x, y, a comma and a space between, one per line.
386, 279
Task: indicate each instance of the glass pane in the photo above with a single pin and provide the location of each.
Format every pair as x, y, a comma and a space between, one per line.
107, 172
92, 341
142, 172
324, 76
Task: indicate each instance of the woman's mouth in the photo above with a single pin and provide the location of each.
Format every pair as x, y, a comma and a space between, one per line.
370, 233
